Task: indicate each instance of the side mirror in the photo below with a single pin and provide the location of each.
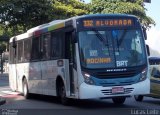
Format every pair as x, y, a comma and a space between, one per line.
148, 51
144, 32
14, 45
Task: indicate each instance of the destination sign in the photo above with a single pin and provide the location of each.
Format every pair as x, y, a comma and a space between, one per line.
98, 60
107, 22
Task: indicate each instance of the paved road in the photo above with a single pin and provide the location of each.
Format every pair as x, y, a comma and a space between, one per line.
15, 103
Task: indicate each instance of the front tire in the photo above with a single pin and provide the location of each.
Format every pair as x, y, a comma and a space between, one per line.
62, 93
138, 98
118, 100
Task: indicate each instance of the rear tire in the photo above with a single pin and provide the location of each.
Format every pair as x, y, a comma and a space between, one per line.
138, 98
118, 100
25, 89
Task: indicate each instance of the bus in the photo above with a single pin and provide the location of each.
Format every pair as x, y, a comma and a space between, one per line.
154, 65
83, 57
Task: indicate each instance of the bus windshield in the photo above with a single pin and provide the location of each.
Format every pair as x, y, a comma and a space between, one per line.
111, 49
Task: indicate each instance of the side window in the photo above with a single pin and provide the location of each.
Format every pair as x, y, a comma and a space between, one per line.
154, 61
35, 52
27, 49
11, 54
20, 51
57, 45
45, 46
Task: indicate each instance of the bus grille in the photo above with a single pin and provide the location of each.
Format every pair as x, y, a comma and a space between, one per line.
106, 84
109, 91
102, 75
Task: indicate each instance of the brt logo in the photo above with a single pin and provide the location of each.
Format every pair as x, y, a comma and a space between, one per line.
121, 63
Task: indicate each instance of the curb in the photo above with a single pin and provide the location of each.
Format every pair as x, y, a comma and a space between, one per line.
2, 101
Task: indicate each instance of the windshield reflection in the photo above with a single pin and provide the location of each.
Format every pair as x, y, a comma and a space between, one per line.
110, 49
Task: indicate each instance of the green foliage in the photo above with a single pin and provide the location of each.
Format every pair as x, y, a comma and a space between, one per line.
134, 7
20, 15
3, 45
17, 16
63, 10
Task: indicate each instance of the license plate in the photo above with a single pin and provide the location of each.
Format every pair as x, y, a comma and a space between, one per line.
117, 90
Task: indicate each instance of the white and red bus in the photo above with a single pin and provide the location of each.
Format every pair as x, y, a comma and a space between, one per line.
52, 59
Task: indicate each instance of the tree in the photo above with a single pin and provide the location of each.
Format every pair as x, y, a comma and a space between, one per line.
4, 38
17, 16
134, 7
67, 9
20, 15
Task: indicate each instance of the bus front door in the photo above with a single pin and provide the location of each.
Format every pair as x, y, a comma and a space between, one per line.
70, 54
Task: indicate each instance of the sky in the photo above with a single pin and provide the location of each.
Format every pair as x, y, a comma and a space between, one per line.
153, 34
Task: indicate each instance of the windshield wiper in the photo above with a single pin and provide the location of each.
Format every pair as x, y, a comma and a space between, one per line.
100, 37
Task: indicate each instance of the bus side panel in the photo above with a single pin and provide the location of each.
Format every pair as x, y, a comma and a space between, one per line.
49, 75
49, 72
34, 79
20, 73
12, 77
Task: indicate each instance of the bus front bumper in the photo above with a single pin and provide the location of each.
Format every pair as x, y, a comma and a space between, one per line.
90, 91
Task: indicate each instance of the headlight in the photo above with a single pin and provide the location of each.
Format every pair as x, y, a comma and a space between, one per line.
87, 78
143, 75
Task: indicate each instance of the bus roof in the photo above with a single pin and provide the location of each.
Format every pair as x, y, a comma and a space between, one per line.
18, 37
108, 15
56, 24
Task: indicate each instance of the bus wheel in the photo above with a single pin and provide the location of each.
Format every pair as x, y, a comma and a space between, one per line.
62, 92
25, 89
118, 100
138, 97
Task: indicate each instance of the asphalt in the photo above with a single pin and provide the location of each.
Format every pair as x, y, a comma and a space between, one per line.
2, 101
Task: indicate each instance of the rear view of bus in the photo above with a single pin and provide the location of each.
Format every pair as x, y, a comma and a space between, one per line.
113, 58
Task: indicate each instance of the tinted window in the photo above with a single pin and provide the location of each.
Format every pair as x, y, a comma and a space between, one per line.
35, 55
57, 45
45, 46
27, 49
20, 51
154, 61
12, 54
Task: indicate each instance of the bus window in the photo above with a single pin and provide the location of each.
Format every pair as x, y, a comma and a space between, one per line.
56, 45
20, 51
45, 46
154, 60
12, 56
27, 49
35, 54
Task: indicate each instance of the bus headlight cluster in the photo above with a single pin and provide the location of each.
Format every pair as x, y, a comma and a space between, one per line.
87, 78
143, 75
